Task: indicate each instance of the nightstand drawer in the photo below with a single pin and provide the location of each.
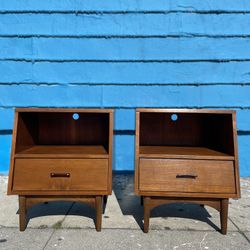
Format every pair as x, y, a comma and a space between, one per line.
60, 174
196, 176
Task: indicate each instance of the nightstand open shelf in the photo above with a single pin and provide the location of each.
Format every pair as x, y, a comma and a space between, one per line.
182, 153
186, 155
61, 154
55, 151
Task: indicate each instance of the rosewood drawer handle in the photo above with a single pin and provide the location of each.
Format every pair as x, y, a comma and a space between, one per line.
54, 175
190, 176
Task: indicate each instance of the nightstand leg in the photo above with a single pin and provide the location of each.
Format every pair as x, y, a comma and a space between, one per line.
223, 215
98, 207
22, 213
146, 207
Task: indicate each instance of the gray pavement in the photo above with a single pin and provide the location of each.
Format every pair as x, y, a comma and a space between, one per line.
69, 225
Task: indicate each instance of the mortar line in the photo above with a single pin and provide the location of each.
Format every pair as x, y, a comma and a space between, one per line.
73, 203
110, 36
124, 12
115, 84
134, 229
153, 229
61, 224
125, 61
46, 243
130, 108
239, 230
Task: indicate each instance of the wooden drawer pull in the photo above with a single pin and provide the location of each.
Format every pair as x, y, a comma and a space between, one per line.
190, 176
54, 175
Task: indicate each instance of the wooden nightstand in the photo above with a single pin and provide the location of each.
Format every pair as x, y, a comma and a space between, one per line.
61, 154
186, 155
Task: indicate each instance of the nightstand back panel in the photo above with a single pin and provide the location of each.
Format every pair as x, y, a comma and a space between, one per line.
214, 131
51, 128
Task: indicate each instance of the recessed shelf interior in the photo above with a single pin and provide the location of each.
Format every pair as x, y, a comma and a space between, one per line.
180, 135
67, 133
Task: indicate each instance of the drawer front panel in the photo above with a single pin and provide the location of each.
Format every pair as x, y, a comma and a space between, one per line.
196, 176
60, 174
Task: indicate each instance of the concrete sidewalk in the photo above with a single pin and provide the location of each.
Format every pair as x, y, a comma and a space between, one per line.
69, 225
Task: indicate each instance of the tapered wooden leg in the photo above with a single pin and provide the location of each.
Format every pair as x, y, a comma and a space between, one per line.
22, 213
146, 207
98, 207
223, 215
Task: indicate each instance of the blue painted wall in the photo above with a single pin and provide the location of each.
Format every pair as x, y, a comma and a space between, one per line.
125, 54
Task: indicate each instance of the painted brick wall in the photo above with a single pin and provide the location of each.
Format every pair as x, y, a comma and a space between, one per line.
125, 54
